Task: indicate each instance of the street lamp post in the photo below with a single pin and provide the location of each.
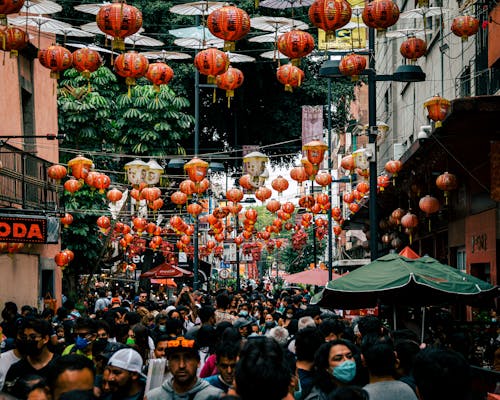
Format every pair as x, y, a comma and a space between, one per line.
404, 73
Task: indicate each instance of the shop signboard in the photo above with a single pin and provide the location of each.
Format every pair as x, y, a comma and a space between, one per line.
23, 228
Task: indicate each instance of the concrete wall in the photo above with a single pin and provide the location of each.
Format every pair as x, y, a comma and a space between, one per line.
20, 279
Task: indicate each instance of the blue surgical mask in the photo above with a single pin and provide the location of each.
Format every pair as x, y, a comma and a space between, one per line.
244, 313
162, 328
297, 395
345, 372
81, 343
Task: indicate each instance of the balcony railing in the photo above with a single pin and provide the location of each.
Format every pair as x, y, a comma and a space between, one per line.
24, 182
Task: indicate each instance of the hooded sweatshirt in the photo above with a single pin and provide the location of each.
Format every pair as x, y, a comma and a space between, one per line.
201, 390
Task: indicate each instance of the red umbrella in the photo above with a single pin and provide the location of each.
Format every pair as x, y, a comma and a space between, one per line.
315, 276
166, 271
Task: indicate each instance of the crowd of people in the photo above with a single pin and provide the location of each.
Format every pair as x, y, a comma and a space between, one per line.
247, 345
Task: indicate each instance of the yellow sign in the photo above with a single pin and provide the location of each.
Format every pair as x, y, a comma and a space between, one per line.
345, 39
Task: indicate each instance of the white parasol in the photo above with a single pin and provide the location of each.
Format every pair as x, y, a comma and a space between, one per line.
196, 8
282, 4
198, 44
399, 33
40, 7
44, 24
90, 8
267, 38
239, 58
93, 28
423, 12
91, 47
277, 24
273, 55
141, 40
194, 32
165, 55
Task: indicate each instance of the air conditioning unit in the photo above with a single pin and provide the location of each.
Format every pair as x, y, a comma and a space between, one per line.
398, 150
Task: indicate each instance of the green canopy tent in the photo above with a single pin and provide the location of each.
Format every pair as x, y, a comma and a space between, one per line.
394, 279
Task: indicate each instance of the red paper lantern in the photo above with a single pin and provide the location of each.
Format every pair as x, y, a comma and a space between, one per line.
229, 81
380, 14
263, 193
211, 62
307, 201
429, 205
72, 185
235, 195
330, 15
245, 182
196, 169
56, 58
347, 163
273, 206
397, 214
230, 24
102, 182
295, 44
13, 39
119, 20
86, 61
131, 65
280, 184
9, 7
336, 213
323, 179
382, 182
103, 223
409, 222
393, 167
290, 76
348, 197
159, 74
114, 195
352, 65
299, 175
362, 187
437, 109
187, 186
178, 198
67, 220
413, 48
465, 26
61, 259
337, 230
140, 224
288, 207
56, 172
194, 209
80, 167
446, 182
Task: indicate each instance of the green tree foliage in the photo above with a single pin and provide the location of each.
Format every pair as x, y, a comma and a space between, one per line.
299, 260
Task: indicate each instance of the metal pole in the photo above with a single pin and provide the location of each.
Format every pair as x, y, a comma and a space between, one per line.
330, 166
238, 283
372, 123
313, 227
196, 150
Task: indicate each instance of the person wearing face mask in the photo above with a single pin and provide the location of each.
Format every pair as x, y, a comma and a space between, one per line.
334, 366
269, 323
34, 337
85, 334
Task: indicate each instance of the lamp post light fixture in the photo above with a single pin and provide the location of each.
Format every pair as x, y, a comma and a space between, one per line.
404, 73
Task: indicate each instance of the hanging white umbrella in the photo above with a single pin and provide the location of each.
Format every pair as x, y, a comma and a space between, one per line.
273, 54
67, 31
239, 58
196, 8
91, 47
165, 55
353, 25
279, 24
141, 40
399, 33
282, 4
267, 38
93, 28
44, 24
40, 7
423, 12
90, 8
198, 44
194, 32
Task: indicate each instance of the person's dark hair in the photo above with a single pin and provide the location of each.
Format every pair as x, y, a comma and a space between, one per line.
406, 351
205, 313
46, 313
70, 362
78, 395
207, 337
293, 326
441, 374
370, 324
62, 313
85, 323
132, 318
228, 349
40, 326
161, 338
331, 325
312, 311
349, 393
9, 308
25, 384
101, 293
69, 304
101, 324
141, 333
307, 342
173, 326
262, 361
27, 308
380, 359
222, 300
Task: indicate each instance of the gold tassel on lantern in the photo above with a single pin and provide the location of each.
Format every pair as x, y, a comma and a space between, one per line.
229, 95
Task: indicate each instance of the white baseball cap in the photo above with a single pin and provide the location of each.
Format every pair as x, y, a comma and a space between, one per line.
127, 359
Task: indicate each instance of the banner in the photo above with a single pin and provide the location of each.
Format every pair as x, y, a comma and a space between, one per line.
312, 123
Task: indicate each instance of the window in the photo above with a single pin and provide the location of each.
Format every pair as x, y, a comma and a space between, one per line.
461, 259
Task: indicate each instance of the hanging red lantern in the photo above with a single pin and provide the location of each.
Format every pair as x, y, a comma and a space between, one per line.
429, 205
187, 186
67, 220
72, 185
235, 195
307, 201
413, 48
13, 39
337, 230
336, 213
230, 24
263, 193
229, 81
290, 76
102, 182
56, 172
114, 195
119, 20
131, 65
211, 62
220, 212
295, 44
446, 182
347, 163
86, 61
465, 26
352, 65
150, 193
196, 169
9, 7
380, 14
80, 167
140, 224
393, 167
362, 187
273, 206
397, 214
288, 207
251, 214
437, 109
56, 58
323, 179
91, 178
202, 187
178, 198
61, 259
299, 174
330, 15
70, 254
103, 223
354, 207
159, 74
246, 182
382, 182
348, 197
280, 184
410, 222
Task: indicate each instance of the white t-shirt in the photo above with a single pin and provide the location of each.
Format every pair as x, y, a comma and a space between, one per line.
6, 360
